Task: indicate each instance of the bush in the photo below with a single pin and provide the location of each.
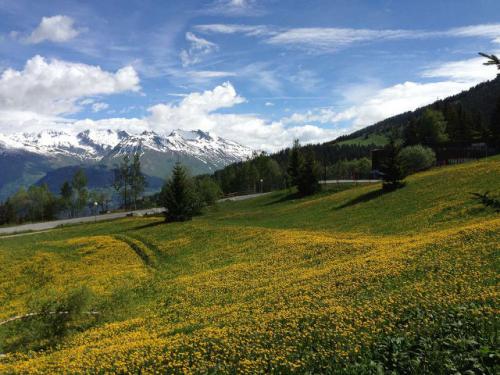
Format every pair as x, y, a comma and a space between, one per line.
416, 158
54, 316
208, 190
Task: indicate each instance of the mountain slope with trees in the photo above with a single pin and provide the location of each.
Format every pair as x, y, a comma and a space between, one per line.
472, 115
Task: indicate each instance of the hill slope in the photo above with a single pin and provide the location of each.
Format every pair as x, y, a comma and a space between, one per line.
480, 102
351, 282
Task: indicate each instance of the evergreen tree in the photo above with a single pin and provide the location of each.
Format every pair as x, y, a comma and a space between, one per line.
392, 169
66, 194
495, 126
308, 178
7, 213
137, 179
295, 162
492, 60
178, 196
431, 128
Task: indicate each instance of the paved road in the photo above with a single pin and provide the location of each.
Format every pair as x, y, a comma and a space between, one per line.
242, 197
349, 181
88, 219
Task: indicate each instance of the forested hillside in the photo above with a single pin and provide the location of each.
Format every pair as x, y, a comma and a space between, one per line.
472, 115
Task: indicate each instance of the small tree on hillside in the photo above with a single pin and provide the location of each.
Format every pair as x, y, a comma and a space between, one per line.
208, 190
296, 160
66, 194
308, 178
416, 158
392, 169
428, 129
178, 196
137, 179
79, 185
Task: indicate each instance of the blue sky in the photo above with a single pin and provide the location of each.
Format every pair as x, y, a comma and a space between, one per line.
255, 71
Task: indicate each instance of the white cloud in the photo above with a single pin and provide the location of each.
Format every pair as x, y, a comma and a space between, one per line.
471, 70
198, 47
200, 111
53, 87
33, 102
485, 30
319, 115
269, 104
328, 39
194, 110
456, 76
217, 28
235, 8
99, 106
45, 90
56, 29
209, 74
372, 103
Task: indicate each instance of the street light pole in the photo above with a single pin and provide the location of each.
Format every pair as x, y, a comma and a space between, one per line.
261, 185
95, 212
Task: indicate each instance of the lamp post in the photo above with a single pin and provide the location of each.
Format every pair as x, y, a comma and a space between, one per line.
95, 211
261, 185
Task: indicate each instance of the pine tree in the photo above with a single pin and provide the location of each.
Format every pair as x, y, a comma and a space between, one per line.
308, 178
178, 196
66, 194
431, 128
391, 165
296, 160
495, 126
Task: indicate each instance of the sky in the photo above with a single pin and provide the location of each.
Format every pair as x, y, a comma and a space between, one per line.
259, 72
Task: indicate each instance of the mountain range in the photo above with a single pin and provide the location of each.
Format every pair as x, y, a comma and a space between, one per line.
46, 156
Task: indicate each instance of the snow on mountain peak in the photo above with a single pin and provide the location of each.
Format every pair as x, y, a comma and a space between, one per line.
96, 144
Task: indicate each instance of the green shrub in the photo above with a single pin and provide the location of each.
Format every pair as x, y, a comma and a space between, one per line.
416, 158
54, 316
208, 190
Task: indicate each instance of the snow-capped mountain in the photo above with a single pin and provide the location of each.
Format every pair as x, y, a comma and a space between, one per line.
36, 154
87, 145
92, 145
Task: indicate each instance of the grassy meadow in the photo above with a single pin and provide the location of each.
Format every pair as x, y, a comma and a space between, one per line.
351, 281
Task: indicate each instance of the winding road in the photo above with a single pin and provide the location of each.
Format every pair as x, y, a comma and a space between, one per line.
25, 229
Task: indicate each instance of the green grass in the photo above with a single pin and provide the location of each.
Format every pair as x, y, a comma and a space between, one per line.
372, 139
350, 280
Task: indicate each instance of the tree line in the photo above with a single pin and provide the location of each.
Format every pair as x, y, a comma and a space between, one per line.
38, 203
184, 196
266, 172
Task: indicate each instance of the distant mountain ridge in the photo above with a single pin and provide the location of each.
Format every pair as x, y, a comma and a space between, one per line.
27, 157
